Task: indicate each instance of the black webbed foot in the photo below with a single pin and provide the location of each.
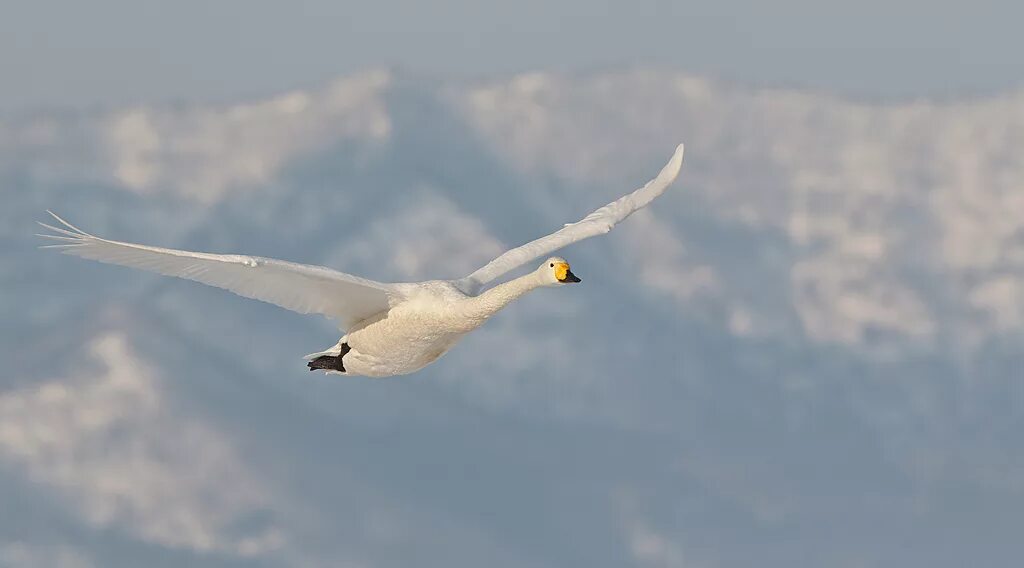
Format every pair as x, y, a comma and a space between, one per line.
330, 362
327, 363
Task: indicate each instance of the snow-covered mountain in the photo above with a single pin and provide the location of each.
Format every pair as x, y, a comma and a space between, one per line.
806, 353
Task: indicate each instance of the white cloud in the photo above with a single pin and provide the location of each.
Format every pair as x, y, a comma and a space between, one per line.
651, 548
21, 555
647, 545
197, 152
429, 238
111, 445
663, 261
1001, 299
841, 302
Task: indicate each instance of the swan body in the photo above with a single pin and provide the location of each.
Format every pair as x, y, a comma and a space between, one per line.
391, 329
435, 316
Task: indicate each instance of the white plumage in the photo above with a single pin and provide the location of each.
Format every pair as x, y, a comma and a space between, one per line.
392, 329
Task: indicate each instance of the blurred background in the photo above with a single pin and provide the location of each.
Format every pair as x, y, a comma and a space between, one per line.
807, 353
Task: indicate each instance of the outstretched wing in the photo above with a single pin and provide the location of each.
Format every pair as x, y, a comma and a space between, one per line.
297, 287
597, 223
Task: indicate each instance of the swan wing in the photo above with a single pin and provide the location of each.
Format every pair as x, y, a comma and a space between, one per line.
597, 223
297, 287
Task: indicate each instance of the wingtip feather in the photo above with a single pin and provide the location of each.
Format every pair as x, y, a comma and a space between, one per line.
59, 237
677, 156
671, 170
60, 231
65, 223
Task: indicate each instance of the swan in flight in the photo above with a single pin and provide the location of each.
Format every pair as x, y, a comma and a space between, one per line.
391, 329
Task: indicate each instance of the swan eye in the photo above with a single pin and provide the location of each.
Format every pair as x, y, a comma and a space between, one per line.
552, 265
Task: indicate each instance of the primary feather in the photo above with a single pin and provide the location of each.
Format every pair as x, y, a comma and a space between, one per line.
300, 288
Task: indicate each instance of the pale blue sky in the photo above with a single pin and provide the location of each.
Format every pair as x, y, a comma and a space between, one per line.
68, 52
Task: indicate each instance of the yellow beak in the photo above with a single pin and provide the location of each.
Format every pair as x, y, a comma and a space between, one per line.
563, 274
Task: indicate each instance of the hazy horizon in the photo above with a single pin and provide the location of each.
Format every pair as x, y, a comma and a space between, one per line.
116, 52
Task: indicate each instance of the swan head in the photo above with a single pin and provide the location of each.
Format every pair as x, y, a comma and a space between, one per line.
555, 272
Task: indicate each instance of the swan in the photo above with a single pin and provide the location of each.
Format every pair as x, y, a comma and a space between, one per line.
390, 329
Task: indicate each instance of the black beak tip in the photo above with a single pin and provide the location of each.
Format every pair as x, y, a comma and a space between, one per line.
570, 277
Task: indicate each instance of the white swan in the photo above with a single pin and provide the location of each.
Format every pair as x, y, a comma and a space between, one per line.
392, 329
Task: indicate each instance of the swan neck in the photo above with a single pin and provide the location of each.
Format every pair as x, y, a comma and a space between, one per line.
493, 300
